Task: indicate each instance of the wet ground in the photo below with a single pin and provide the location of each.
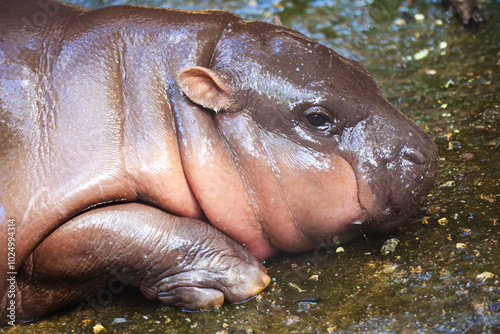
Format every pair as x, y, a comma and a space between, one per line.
440, 273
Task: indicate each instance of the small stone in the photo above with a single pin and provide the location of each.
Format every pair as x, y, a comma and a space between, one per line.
449, 83
483, 277
461, 245
443, 221
340, 250
389, 246
400, 21
332, 329
466, 231
98, 328
421, 54
119, 320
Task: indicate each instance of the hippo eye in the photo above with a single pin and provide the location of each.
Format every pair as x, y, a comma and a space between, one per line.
317, 120
318, 117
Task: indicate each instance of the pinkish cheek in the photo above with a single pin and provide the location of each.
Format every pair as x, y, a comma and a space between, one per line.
339, 206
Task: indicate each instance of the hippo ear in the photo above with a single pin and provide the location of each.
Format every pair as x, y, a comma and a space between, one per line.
208, 88
277, 21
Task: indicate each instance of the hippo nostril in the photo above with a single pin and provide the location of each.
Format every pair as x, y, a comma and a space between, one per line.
414, 155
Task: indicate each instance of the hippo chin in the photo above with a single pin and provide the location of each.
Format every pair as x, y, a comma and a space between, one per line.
172, 149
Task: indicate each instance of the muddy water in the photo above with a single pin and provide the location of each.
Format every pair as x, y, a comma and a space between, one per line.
440, 273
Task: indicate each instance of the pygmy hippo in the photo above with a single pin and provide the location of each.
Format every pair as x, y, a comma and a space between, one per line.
175, 149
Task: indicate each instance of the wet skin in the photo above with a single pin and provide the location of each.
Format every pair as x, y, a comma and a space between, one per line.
213, 124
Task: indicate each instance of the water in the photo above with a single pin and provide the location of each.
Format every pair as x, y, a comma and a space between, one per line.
444, 274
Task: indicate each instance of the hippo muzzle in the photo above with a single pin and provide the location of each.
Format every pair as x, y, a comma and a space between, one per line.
395, 163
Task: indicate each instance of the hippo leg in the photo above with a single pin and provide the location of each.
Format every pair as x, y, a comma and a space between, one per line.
180, 261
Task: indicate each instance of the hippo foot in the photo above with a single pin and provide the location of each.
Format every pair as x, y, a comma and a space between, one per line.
180, 261
207, 289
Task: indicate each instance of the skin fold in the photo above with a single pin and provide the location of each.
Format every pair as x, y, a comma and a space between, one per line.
159, 144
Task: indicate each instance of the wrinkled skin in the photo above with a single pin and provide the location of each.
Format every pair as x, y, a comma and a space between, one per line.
213, 124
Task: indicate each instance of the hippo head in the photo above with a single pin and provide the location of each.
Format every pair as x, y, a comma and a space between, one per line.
321, 153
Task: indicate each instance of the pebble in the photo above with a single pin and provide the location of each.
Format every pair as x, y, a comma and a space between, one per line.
443, 221
389, 246
419, 17
483, 277
98, 328
421, 54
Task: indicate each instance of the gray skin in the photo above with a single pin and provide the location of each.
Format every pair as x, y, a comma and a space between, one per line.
131, 137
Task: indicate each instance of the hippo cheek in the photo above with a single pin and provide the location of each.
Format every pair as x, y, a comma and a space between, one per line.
301, 197
322, 196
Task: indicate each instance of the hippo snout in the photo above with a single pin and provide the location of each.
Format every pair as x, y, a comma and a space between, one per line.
396, 167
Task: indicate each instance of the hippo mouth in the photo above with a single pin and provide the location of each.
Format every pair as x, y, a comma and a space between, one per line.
366, 198
374, 216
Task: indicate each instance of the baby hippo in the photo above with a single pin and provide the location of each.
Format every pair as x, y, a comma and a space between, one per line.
175, 149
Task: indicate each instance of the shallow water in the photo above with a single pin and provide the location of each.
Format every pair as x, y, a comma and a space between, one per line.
444, 274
